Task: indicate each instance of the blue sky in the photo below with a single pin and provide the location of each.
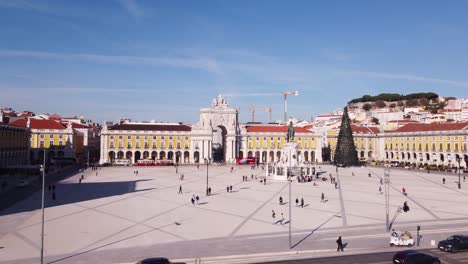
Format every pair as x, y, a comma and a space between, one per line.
164, 60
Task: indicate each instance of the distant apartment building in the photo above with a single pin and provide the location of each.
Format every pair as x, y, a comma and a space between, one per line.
51, 139
14, 146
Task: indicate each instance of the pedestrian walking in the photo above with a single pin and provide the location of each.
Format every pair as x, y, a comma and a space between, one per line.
197, 199
302, 202
380, 189
281, 200
227, 188
264, 181
251, 177
405, 207
381, 181
336, 185
193, 201
209, 190
297, 201
370, 175
443, 180
79, 181
352, 174
230, 188
96, 173
282, 218
273, 215
180, 189
323, 198
339, 242
404, 191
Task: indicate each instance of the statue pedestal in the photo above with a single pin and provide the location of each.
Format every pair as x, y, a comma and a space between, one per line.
289, 161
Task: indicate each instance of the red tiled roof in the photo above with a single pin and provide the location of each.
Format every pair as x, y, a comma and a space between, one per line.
151, 127
38, 124
75, 125
431, 127
55, 116
276, 129
364, 130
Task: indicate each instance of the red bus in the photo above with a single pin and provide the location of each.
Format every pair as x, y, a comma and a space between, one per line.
245, 161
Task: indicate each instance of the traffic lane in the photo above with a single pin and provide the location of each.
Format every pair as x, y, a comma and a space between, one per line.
374, 258
377, 258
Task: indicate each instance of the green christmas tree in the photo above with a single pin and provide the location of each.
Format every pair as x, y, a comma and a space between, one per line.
345, 153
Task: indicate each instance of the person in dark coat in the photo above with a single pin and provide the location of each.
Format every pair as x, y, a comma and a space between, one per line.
339, 242
180, 189
281, 200
297, 201
302, 202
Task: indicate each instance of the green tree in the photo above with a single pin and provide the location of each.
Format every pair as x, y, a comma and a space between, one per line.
366, 107
392, 105
376, 121
345, 152
380, 104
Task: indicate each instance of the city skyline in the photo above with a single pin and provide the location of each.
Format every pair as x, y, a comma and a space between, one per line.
165, 61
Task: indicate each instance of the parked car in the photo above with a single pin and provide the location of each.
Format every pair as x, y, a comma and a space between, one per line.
454, 243
414, 257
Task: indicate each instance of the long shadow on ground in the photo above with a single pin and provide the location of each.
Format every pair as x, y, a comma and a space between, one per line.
68, 193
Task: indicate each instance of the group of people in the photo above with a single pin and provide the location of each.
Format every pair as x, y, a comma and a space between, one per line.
52, 189
229, 188
195, 199
302, 202
134, 172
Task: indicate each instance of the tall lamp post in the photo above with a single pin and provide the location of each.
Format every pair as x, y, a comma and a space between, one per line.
42, 222
207, 163
289, 171
387, 196
285, 95
459, 176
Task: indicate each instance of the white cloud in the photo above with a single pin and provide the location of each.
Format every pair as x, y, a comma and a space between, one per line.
409, 77
131, 7
24, 4
200, 63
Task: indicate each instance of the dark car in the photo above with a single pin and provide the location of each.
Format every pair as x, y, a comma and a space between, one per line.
454, 243
155, 261
414, 257
158, 261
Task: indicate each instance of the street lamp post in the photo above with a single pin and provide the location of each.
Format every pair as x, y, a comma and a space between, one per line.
387, 196
285, 95
207, 162
459, 176
290, 200
42, 222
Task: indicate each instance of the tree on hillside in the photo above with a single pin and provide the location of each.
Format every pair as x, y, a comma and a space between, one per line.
424, 101
366, 107
412, 103
400, 103
392, 105
380, 104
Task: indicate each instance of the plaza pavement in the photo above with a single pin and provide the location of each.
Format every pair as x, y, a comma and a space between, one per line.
117, 217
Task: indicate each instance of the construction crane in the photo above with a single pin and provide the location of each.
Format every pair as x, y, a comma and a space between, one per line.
265, 109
